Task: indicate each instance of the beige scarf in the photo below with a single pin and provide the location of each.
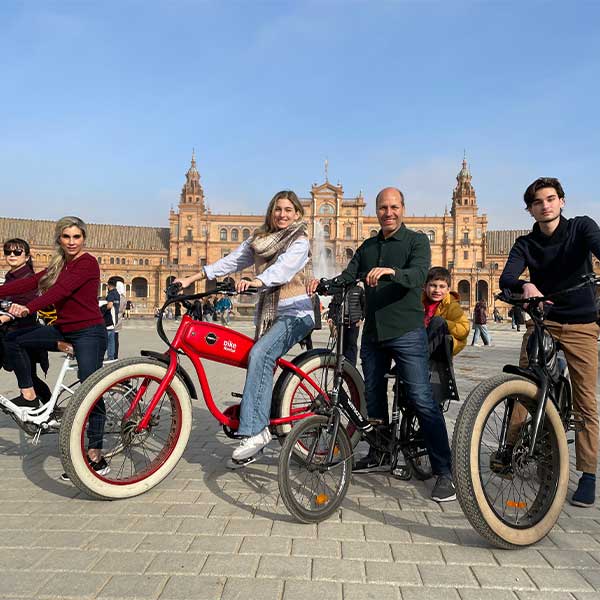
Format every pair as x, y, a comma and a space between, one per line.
267, 249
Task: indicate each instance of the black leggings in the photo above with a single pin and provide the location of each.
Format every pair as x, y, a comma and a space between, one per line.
89, 346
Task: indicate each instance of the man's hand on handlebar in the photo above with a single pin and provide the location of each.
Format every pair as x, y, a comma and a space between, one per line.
18, 310
311, 286
375, 274
530, 290
5, 319
246, 284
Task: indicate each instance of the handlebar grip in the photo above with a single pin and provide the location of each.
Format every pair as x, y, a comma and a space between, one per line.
173, 290
5, 304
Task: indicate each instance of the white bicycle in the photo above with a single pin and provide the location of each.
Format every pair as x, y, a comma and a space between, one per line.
46, 419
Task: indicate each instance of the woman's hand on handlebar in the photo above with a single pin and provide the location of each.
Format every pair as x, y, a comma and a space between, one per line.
244, 284
18, 310
375, 274
184, 281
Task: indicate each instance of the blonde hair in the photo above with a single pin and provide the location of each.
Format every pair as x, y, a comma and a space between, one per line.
267, 226
58, 260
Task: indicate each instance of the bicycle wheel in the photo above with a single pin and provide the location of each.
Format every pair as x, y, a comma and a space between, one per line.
414, 447
312, 487
137, 460
296, 395
510, 499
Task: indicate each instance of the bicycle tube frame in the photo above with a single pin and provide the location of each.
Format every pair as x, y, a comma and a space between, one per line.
206, 392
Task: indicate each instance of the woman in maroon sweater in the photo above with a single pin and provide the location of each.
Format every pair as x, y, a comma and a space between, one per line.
71, 283
18, 257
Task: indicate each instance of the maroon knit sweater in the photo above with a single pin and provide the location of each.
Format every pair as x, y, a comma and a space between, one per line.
74, 294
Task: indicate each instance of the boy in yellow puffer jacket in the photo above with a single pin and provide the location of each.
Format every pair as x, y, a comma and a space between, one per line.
443, 313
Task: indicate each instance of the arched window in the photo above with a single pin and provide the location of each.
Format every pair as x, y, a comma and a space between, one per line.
223, 235
123, 261
326, 209
464, 292
431, 235
374, 232
99, 260
328, 253
482, 290
139, 287
349, 253
118, 260
326, 232
146, 262
112, 260
245, 234
135, 261
235, 235
348, 233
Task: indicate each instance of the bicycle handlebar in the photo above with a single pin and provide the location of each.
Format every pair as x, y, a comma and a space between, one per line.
507, 296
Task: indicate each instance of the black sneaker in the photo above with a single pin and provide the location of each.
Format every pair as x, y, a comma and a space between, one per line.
101, 467
443, 490
24, 403
373, 462
585, 494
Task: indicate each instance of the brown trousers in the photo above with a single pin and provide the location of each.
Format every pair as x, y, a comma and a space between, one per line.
579, 343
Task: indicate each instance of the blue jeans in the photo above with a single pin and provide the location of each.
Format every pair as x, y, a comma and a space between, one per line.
258, 389
89, 345
111, 344
411, 354
483, 330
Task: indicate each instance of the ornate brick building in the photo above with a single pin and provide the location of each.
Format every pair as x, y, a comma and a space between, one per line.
147, 258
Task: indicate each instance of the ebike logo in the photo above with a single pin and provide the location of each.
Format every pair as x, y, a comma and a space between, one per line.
210, 339
229, 346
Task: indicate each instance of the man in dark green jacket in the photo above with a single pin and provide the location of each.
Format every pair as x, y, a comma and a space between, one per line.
394, 329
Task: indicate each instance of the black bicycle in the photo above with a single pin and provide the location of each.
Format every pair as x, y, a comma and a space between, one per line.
315, 463
509, 451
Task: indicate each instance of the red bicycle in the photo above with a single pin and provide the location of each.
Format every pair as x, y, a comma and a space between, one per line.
144, 403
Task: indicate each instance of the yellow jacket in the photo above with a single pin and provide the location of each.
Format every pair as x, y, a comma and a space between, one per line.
458, 323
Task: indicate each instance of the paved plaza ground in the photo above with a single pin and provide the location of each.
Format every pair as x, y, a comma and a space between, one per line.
209, 533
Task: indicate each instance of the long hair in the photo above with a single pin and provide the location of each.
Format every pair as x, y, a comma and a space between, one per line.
58, 260
267, 226
19, 244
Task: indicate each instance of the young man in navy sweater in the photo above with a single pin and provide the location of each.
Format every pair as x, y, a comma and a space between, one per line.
557, 253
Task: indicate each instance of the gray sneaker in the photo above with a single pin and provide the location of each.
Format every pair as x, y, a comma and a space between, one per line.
443, 490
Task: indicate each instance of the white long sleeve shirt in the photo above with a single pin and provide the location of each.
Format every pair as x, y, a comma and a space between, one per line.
279, 273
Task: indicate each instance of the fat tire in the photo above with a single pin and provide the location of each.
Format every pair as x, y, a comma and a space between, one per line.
465, 459
75, 417
289, 456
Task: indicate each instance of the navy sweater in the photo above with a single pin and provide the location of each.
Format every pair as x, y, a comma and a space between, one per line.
557, 262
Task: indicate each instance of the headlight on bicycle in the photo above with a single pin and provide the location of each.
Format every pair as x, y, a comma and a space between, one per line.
550, 352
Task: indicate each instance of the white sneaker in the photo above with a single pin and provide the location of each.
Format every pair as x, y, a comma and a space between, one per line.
251, 445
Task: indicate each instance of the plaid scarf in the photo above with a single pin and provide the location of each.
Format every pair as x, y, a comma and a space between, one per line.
267, 249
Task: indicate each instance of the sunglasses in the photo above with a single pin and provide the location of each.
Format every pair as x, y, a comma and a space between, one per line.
13, 252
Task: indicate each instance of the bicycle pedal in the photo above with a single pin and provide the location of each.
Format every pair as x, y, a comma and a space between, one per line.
240, 464
577, 422
402, 472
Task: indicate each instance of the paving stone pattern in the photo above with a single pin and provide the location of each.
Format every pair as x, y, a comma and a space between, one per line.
207, 532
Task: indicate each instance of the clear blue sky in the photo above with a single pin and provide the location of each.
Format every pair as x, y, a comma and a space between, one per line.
102, 102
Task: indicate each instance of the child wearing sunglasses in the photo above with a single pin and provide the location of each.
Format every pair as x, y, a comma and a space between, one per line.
17, 255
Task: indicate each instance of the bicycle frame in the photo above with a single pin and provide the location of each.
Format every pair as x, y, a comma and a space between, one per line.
199, 339
42, 416
537, 369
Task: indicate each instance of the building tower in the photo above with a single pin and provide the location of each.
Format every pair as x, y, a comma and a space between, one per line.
188, 225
